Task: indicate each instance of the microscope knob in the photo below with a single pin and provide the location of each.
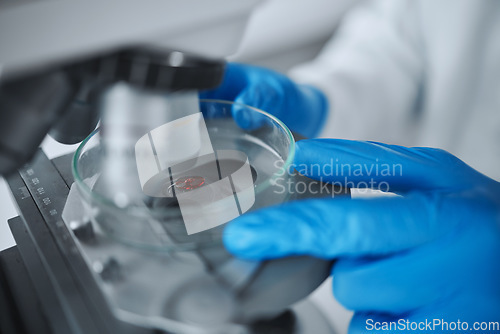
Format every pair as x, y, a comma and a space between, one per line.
108, 269
82, 229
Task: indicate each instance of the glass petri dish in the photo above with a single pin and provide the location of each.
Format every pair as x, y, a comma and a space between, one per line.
175, 185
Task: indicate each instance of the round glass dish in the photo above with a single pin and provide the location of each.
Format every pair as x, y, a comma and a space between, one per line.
174, 186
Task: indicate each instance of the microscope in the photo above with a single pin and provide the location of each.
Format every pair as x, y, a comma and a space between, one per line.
89, 259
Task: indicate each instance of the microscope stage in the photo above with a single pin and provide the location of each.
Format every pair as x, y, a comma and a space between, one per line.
73, 279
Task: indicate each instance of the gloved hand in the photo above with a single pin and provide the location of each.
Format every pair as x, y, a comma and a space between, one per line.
302, 108
433, 253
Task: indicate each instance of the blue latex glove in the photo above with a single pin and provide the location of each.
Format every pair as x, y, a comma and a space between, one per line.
302, 108
433, 253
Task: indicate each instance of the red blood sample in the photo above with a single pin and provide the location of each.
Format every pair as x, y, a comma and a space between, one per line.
189, 182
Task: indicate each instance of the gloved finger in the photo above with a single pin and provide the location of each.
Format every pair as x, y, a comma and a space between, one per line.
359, 164
247, 117
397, 283
373, 322
235, 80
424, 275
301, 107
329, 228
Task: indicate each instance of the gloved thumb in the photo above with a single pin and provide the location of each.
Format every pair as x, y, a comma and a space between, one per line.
329, 228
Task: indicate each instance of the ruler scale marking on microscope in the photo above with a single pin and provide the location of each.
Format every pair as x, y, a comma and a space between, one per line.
49, 194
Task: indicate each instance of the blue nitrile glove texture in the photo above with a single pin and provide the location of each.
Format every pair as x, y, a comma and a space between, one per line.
302, 108
432, 253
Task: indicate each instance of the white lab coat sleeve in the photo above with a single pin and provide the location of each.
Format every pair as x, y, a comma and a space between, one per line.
371, 72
